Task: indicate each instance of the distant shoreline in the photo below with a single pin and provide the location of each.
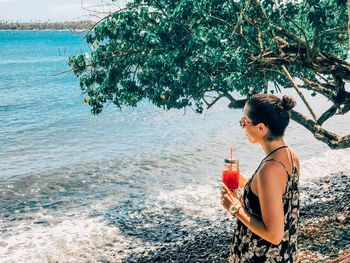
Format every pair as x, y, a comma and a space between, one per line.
48, 26
46, 30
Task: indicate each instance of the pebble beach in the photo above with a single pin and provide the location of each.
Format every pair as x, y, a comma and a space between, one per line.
324, 230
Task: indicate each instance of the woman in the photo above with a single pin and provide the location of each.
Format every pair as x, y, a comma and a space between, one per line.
268, 209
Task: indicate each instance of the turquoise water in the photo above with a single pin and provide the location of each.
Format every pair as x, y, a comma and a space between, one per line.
71, 183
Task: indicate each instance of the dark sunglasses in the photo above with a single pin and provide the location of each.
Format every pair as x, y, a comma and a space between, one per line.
243, 123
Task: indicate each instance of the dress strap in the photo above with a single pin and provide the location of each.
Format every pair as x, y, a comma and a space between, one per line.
285, 168
275, 150
292, 159
284, 146
263, 160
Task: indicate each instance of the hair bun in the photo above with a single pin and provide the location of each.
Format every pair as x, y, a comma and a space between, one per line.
288, 103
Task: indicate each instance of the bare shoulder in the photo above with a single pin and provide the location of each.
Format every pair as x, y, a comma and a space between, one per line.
272, 175
271, 170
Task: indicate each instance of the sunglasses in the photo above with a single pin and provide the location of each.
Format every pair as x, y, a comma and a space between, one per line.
243, 123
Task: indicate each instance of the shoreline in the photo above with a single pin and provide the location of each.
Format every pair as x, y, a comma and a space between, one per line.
47, 30
324, 230
47, 26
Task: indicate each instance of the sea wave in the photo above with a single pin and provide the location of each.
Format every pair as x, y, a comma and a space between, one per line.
325, 164
64, 239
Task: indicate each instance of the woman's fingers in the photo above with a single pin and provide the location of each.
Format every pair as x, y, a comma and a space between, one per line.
230, 196
227, 195
231, 199
225, 187
228, 191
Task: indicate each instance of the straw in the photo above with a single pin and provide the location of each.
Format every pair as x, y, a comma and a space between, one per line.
231, 153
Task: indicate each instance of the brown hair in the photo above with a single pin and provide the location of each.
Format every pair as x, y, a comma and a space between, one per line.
272, 111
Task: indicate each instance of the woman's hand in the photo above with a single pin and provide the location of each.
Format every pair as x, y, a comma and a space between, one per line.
228, 198
242, 181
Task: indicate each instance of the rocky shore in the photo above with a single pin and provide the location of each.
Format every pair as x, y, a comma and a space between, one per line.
324, 233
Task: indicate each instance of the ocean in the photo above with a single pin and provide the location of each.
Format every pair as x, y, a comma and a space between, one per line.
81, 188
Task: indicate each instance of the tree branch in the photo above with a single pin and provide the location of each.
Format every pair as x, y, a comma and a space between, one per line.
339, 88
258, 8
319, 88
327, 114
290, 35
221, 20
235, 104
108, 15
333, 140
307, 46
346, 107
238, 27
209, 105
161, 8
322, 62
286, 72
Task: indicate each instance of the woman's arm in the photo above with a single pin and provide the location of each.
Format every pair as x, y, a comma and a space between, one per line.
271, 180
271, 227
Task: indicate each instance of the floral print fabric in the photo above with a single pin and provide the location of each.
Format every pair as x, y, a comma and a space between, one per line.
248, 247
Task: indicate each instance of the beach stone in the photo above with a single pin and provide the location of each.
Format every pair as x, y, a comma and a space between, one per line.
341, 217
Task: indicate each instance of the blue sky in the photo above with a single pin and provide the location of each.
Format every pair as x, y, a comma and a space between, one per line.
53, 10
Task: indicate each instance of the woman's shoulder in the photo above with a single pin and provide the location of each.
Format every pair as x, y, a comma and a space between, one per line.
271, 176
271, 168
271, 171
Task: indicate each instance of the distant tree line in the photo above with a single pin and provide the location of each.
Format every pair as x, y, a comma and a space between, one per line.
41, 25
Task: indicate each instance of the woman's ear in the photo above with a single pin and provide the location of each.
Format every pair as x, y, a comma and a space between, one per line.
261, 127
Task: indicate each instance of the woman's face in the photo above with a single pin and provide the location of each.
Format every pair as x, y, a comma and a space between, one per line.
253, 132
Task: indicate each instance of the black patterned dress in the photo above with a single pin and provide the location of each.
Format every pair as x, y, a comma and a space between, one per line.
247, 246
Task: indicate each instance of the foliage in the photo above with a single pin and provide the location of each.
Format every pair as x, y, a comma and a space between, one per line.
180, 53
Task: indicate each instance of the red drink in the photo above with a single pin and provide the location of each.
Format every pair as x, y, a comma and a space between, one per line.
230, 176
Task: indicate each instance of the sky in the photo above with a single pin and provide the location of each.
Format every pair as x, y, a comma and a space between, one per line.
55, 10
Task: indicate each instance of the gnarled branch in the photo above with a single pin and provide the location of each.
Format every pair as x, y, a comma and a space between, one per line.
333, 140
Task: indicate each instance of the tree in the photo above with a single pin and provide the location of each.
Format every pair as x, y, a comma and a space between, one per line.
185, 53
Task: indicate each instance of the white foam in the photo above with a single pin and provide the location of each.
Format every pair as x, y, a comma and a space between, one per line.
80, 239
198, 200
325, 164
